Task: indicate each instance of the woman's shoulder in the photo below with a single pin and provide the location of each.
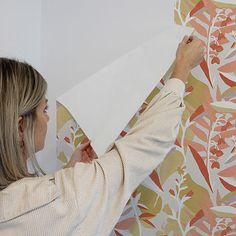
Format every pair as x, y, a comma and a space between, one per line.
28, 193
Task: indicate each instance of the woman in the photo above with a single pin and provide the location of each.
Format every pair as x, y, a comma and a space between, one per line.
85, 199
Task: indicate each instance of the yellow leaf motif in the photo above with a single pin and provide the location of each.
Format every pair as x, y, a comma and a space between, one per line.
79, 132
172, 228
167, 210
78, 141
62, 157
150, 199
170, 165
63, 116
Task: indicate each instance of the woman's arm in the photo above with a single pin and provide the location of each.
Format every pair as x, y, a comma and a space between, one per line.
101, 189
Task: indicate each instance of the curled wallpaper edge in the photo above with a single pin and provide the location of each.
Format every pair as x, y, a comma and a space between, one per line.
118, 90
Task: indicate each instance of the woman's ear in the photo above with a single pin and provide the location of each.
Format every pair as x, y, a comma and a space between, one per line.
21, 126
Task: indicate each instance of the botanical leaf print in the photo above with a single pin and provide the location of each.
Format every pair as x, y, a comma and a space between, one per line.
193, 191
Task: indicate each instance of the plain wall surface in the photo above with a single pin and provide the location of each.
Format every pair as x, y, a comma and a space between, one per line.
20, 24
70, 40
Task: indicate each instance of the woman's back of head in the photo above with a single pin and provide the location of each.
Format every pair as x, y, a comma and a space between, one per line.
21, 90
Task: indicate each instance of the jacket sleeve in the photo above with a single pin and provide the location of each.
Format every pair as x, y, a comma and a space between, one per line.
103, 188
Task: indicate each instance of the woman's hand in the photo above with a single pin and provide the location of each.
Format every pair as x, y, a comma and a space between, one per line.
84, 153
189, 54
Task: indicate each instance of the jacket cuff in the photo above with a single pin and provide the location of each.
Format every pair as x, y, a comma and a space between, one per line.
175, 85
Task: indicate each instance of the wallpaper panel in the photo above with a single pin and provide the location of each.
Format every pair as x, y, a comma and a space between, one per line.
193, 191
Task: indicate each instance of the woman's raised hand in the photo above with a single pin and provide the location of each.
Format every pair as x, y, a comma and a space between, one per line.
189, 54
84, 153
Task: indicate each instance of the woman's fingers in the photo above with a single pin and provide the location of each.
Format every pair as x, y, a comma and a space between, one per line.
85, 157
84, 145
185, 39
87, 152
189, 54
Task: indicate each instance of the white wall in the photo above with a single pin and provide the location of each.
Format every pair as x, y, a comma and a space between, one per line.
20, 30
68, 40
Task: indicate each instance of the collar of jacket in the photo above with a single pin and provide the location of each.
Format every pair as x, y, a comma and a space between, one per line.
26, 195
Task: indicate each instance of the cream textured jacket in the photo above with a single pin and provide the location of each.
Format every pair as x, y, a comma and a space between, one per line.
88, 199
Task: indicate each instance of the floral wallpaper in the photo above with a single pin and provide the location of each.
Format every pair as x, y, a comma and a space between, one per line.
193, 191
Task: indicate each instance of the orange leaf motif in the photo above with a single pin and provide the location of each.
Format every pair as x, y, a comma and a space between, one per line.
199, 133
228, 29
117, 233
198, 216
205, 69
196, 145
227, 81
211, 8
201, 165
228, 134
142, 207
215, 60
203, 18
146, 215
197, 8
198, 112
227, 185
155, 178
228, 172
125, 224
67, 139
150, 223
228, 68
215, 165
203, 123
199, 28
172, 192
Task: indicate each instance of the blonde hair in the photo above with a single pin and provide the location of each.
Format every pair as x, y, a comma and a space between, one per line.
21, 90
